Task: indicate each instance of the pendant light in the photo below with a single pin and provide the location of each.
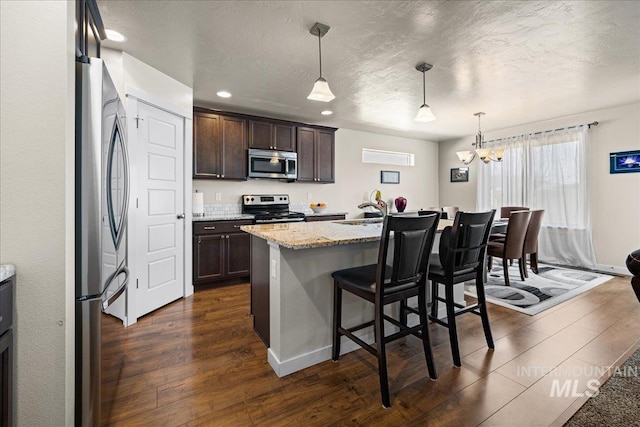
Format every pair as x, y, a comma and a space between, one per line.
485, 154
424, 113
320, 91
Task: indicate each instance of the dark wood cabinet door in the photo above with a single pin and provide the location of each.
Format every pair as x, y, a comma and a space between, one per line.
237, 259
306, 154
207, 257
325, 153
260, 135
206, 146
234, 147
284, 137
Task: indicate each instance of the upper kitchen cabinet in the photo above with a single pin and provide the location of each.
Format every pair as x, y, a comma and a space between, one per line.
269, 135
316, 154
219, 146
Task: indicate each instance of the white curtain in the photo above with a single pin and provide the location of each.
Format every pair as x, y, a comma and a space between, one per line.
545, 171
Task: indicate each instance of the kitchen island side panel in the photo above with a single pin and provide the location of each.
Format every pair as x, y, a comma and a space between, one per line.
301, 298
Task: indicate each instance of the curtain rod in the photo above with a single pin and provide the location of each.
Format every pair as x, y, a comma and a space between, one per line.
594, 123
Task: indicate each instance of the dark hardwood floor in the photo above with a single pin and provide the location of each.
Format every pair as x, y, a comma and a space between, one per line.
197, 362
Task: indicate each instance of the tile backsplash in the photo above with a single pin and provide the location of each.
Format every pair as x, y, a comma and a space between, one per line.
217, 209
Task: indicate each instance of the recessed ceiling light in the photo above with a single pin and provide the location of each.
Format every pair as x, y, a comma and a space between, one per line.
224, 94
115, 36
327, 113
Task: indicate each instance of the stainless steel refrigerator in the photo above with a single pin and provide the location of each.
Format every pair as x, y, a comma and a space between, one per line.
102, 193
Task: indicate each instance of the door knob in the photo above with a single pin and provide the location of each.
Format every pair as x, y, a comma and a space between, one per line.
181, 216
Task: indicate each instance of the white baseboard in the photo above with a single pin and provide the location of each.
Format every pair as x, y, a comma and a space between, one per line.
297, 363
612, 269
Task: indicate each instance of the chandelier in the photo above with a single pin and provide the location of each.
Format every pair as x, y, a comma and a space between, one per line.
485, 154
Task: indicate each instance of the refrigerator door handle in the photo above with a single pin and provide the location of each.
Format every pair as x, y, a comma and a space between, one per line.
117, 230
107, 299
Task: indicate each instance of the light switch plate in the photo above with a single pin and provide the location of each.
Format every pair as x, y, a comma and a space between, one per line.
218, 196
274, 269
308, 196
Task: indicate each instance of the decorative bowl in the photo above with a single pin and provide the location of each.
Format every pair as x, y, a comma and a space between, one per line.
318, 209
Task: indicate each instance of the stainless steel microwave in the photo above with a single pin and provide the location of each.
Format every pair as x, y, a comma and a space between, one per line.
273, 164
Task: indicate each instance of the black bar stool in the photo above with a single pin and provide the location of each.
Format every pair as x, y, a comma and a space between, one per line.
388, 282
461, 258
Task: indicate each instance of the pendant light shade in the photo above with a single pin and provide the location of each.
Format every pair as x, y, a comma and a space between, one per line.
320, 91
425, 114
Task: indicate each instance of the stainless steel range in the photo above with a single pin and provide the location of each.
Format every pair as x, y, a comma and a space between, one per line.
269, 208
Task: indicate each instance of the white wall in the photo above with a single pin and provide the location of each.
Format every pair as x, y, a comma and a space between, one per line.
129, 72
615, 198
36, 201
354, 179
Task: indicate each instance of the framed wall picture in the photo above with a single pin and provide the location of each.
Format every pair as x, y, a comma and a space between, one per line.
459, 174
624, 162
390, 177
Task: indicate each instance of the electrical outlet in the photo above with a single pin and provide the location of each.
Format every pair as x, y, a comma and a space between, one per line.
308, 196
274, 269
218, 196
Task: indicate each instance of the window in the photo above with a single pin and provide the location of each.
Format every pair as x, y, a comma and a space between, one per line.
545, 171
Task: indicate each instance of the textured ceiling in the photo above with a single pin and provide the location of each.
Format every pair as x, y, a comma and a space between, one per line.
520, 62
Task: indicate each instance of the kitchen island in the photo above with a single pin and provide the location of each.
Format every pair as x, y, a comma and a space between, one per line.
292, 287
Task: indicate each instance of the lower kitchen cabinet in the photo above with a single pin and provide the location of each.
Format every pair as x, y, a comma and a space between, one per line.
220, 250
310, 218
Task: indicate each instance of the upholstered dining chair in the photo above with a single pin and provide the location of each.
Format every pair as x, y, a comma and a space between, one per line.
505, 211
531, 241
513, 244
461, 258
387, 282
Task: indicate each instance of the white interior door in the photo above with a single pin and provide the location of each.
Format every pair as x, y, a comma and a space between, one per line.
160, 208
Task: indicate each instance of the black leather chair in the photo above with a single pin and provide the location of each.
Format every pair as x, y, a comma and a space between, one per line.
387, 282
462, 257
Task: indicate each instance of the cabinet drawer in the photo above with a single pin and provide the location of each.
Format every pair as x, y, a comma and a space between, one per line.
214, 227
6, 306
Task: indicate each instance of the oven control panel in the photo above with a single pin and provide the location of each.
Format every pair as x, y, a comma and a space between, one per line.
265, 199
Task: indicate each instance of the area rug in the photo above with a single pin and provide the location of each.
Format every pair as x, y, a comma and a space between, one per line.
617, 402
551, 286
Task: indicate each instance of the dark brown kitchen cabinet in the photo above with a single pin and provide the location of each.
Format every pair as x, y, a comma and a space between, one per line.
316, 155
268, 135
313, 218
6, 351
220, 250
219, 146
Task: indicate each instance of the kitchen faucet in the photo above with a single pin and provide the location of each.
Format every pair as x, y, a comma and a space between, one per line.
380, 206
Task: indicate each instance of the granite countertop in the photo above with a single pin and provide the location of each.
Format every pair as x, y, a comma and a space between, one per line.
223, 217
6, 271
306, 235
